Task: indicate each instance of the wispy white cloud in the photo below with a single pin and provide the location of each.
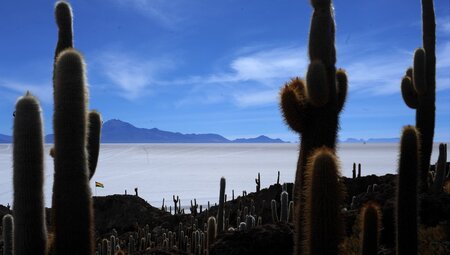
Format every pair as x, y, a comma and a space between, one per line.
256, 98
43, 91
132, 76
167, 13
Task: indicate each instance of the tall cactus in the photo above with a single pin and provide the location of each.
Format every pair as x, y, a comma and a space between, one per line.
312, 108
28, 156
419, 88
370, 225
8, 234
220, 213
72, 203
407, 189
324, 195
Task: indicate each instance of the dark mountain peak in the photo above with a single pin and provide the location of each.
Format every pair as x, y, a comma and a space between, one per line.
116, 123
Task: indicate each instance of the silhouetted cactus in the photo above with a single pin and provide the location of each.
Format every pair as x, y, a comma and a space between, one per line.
8, 234
93, 143
175, 201
220, 213
71, 191
274, 210
354, 171
211, 237
30, 235
324, 195
370, 228
284, 197
419, 89
407, 189
258, 183
63, 16
312, 109
440, 169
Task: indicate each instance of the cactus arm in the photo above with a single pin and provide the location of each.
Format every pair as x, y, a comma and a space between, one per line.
293, 104
63, 16
408, 93
93, 142
342, 85
419, 72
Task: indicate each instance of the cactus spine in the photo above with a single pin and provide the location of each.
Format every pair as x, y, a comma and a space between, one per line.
8, 234
324, 194
220, 214
312, 109
71, 191
408, 171
419, 88
30, 235
370, 225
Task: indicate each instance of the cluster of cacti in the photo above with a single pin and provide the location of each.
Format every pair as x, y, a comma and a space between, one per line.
76, 133
419, 88
286, 208
354, 171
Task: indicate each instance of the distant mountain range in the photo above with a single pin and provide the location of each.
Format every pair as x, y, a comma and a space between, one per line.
372, 140
117, 131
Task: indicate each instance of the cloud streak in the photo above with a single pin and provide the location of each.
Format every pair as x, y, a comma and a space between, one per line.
132, 77
43, 91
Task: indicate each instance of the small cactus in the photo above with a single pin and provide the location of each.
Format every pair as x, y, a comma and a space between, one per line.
212, 232
220, 214
370, 225
8, 234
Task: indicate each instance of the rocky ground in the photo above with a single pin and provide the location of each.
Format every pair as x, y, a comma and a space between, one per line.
127, 213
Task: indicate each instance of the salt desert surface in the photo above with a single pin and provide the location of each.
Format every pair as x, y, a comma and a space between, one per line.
194, 170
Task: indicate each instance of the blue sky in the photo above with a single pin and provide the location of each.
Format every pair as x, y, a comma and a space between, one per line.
217, 66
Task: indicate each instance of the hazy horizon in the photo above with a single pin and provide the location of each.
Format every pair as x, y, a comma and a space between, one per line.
194, 170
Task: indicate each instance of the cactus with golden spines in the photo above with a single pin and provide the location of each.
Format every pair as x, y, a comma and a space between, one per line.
324, 195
